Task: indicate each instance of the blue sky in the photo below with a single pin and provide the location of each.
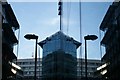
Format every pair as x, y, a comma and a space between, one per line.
41, 19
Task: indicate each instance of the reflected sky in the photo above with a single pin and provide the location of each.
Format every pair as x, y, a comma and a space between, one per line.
41, 19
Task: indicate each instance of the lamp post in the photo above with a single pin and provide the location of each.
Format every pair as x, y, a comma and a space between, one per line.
88, 37
32, 36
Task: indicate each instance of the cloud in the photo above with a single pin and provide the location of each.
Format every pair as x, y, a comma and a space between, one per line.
54, 21
68, 22
49, 22
65, 22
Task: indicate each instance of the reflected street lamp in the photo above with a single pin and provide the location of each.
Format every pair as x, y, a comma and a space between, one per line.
32, 36
88, 37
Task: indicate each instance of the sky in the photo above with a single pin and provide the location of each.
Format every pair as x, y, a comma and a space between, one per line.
41, 18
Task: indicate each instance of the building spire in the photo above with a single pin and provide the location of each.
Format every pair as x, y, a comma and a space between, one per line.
60, 4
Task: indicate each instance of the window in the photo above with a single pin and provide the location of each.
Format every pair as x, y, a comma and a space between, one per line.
27, 73
30, 62
23, 63
31, 72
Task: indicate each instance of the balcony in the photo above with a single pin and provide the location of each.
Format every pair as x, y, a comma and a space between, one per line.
7, 52
10, 16
8, 34
108, 35
107, 18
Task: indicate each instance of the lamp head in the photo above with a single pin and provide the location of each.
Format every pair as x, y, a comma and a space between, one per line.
90, 37
31, 36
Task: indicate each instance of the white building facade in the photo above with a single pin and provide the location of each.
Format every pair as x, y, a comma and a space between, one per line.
27, 66
92, 65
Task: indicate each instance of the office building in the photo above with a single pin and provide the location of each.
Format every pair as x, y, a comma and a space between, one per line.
92, 65
59, 57
27, 66
111, 41
0, 40
9, 40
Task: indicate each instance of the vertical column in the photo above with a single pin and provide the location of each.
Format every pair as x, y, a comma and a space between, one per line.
60, 13
0, 40
86, 59
35, 77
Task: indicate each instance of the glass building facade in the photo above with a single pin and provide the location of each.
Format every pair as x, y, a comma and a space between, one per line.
59, 57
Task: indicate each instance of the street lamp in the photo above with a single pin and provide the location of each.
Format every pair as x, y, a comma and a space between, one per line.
88, 37
32, 36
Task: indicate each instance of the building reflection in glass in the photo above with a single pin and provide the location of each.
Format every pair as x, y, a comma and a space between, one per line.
59, 57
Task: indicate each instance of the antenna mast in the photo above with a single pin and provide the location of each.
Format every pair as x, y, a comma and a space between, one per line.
60, 13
